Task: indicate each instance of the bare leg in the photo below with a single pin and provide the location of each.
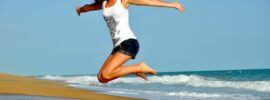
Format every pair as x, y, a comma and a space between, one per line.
113, 68
141, 75
99, 73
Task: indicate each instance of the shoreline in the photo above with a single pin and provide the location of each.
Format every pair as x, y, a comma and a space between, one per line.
30, 86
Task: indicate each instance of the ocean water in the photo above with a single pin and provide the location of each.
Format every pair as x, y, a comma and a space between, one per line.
196, 85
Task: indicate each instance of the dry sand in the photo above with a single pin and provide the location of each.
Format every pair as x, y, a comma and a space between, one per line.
11, 84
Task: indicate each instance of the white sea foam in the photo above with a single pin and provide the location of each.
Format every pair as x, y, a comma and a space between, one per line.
194, 94
184, 95
122, 92
190, 80
81, 80
214, 96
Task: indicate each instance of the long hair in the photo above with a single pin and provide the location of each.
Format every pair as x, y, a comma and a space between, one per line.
99, 1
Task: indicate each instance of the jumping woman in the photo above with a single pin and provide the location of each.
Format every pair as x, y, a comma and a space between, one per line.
125, 43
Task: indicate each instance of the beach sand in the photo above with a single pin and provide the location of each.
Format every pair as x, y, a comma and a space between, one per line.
12, 85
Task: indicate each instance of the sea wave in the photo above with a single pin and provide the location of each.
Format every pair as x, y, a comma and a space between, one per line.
189, 80
215, 96
194, 94
190, 95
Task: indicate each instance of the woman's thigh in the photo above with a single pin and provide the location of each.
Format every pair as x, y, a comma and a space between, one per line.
114, 61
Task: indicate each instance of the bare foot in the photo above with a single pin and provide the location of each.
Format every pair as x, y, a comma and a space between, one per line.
146, 69
141, 75
78, 11
179, 7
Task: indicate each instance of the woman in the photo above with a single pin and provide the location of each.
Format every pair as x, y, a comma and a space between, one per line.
126, 46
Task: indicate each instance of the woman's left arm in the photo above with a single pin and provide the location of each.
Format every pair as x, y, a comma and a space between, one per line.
157, 3
90, 7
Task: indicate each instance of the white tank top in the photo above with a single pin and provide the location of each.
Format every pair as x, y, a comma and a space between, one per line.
117, 19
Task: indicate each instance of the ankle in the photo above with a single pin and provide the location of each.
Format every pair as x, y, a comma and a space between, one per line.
139, 68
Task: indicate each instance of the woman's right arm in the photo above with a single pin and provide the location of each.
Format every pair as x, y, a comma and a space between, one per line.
89, 7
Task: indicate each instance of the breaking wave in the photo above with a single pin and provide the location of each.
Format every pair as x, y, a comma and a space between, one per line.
189, 80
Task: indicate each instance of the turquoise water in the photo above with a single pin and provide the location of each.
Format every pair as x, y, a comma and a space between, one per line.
230, 75
203, 85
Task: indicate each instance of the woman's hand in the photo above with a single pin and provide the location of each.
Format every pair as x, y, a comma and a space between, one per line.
179, 7
78, 11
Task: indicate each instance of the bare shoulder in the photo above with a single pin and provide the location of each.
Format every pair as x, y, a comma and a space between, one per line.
133, 2
129, 1
125, 3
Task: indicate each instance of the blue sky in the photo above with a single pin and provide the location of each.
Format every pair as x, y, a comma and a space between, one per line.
47, 37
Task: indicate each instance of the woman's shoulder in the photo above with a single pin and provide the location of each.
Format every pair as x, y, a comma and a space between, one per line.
125, 3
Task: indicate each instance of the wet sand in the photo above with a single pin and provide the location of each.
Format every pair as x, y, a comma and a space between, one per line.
12, 85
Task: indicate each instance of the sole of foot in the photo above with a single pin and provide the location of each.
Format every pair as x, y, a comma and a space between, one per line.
146, 69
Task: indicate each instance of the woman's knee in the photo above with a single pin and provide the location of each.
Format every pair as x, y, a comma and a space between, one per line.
104, 77
101, 80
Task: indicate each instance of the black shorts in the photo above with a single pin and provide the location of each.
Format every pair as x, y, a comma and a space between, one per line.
128, 47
